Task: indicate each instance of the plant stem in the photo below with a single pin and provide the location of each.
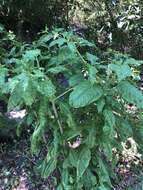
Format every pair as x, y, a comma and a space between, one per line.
63, 94
83, 60
57, 117
38, 65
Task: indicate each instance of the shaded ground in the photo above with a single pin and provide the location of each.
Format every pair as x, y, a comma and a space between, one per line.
17, 170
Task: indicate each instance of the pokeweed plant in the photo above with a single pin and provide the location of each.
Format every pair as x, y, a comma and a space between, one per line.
78, 98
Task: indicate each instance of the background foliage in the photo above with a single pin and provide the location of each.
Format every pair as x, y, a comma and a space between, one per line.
113, 23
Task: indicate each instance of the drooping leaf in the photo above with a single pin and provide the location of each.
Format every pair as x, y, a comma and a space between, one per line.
100, 105
91, 138
138, 135
108, 149
130, 93
73, 157
15, 98
83, 161
109, 117
35, 139
51, 166
103, 172
65, 178
29, 93
3, 72
3, 75
124, 129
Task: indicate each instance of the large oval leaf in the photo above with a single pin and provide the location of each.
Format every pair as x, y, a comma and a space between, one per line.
83, 162
84, 94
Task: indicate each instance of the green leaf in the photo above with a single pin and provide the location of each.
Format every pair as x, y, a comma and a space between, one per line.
138, 135
70, 134
92, 71
124, 128
35, 139
73, 157
51, 166
45, 38
31, 55
133, 62
92, 59
84, 42
3, 74
76, 79
16, 97
60, 187
100, 105
122, 71
1, 28
91, 138
103, 172
83, 162
108, 149
65, 178
109, 117
47, 88
89, 180
72, 46
84, 94
130, 93
56, 70
107, 130
58, 42
29, 93
102, 188
22, 90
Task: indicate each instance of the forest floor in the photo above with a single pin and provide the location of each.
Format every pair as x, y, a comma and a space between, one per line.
17, 169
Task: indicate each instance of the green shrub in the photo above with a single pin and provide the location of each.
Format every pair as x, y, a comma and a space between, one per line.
80, 98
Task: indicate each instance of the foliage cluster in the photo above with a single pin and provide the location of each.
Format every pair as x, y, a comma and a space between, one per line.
75, 100
28, 17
